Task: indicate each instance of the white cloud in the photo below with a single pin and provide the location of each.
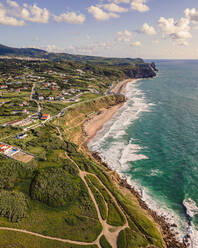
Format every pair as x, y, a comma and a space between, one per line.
191, 14
5, 19
139, 5
182, 42
179, 31
101, 15
12, 4
112, 7
120, 1
137, 44
53, 49
124, 36
92, 48
156, 42
35, 14
146, 29
70, 17
31, 13
10, 14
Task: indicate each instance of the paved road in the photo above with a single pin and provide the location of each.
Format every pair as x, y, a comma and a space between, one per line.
32, 99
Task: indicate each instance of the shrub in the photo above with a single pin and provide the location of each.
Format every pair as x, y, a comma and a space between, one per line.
70, 167
13, 205
12, 171
99, 200
128, 238
54, 187
104, 243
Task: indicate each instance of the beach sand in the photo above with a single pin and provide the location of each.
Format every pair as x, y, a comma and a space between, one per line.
120, 87
95, 123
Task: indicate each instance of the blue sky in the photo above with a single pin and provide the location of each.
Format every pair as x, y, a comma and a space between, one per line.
119, 28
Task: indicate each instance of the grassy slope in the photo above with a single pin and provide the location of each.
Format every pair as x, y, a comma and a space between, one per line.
20, 240
75, 116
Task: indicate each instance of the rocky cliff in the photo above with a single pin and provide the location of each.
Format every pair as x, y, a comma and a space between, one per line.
141, 71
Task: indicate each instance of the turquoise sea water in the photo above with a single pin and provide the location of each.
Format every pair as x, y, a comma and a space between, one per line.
153, 141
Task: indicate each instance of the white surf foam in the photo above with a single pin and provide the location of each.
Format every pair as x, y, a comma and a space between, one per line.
119, 152
191, 211
130, 112
191, 207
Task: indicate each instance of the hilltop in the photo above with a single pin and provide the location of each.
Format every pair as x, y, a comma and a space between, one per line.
38, 53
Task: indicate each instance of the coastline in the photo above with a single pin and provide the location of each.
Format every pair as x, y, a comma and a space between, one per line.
90, 127
96, 122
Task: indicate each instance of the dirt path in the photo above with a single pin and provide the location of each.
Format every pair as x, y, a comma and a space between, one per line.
47, 237
110, 232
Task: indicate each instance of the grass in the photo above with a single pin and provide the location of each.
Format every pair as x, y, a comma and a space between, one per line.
128, 238
138, 220
99, 199
78, 113
76, 220
6, 119
57, 222
53, 108
11, 239
115, 217
104, 243
7, 131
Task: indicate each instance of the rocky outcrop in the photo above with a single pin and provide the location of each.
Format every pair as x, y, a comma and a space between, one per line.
146, 70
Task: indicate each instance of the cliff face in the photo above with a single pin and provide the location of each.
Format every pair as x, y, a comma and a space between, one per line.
141, 71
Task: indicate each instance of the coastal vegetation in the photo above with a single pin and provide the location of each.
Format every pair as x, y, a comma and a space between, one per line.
11, 239
104, 243
55, 187
13, 205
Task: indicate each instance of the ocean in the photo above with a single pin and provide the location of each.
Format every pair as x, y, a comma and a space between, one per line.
152, 141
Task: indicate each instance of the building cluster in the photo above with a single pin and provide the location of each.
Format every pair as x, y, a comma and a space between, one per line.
61, 96
8, 150
28, 121
19, 123
15, 153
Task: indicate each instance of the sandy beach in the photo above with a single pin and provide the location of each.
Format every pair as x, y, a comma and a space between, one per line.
120, 87
96, 122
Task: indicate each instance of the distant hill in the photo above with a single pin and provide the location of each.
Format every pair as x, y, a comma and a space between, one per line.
38, 53
27, 52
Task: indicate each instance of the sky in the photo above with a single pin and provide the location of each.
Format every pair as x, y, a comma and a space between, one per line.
150, 29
